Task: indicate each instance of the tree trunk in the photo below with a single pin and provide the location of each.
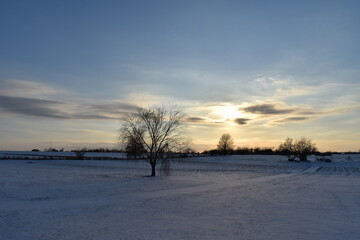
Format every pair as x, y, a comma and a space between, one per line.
303, 158
153, 173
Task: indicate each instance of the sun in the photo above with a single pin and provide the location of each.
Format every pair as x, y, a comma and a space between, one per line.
228, 112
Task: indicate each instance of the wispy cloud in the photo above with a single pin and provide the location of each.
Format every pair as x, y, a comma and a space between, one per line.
267, 109
280, 113
196, 119
292, 119
21, 88
33, 107
37, 100
241, 121
63, 110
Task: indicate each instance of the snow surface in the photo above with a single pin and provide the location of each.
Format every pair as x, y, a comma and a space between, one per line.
232, 197
37, 155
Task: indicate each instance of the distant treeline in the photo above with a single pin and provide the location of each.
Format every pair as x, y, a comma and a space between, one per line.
243, 151
262, 151
114, 150
238, 151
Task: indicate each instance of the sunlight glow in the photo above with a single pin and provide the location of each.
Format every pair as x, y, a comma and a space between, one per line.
228, 112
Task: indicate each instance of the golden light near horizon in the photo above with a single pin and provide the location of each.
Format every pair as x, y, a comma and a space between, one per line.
228, 112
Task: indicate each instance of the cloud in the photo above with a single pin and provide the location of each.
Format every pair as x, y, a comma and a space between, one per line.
32, 107
62, 110
325, 112
196, 119
14, 87
189, 84
111, 108
293, 119
241, 121
267, 109
309, 113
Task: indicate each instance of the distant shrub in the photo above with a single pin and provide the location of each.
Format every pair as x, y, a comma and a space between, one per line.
80, 154
298, 148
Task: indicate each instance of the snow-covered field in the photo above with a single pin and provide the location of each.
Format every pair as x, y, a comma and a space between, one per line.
37, 155
231, 197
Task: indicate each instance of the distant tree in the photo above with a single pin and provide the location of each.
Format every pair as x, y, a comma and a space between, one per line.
51, 150
226, 144
134, 147
287, 148
299, 148
80, 153
263, 150
158, 130
243, 150
304, 147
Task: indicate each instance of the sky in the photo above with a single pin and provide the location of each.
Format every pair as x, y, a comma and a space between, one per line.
258, 70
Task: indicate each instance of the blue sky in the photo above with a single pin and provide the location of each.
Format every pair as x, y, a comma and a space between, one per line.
259, 70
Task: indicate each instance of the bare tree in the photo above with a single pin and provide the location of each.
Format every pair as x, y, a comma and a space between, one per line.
226, 144
80, 153
304, 147
157, 130
287, 148
134, 147
299, 148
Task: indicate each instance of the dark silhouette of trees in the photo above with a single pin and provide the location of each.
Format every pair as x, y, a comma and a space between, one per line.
304, 147
107, 150
158, 131
288, 148
226, 144
244, 151
80, 154
299, 148
134, 147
